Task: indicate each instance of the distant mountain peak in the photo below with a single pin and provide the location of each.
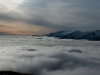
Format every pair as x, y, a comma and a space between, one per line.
59, 33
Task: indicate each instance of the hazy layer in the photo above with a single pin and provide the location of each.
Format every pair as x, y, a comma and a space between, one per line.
49, 56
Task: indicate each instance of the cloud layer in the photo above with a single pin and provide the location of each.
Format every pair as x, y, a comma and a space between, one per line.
49, 56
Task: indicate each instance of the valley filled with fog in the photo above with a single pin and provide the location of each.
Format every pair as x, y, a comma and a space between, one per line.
49, 56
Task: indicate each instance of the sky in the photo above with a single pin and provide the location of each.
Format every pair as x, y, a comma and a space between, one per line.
37, 17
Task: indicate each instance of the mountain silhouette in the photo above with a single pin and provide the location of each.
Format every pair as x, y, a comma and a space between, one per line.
12, 73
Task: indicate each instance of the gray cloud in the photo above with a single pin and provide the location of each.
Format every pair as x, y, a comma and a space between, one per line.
64, 13
48, 56
3, 33
57, 14
42, 61
76, 50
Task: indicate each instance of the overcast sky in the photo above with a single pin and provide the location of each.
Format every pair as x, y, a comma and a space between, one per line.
29, 17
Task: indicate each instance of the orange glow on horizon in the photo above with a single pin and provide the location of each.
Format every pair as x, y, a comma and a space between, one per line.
22, 29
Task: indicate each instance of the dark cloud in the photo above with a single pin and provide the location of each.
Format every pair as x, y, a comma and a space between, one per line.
76, 50
4, 33
67, 14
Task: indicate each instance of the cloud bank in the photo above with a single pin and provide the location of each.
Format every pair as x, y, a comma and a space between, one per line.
73, 58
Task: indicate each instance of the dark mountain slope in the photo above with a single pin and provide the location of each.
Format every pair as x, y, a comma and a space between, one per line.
12, 73
90, 35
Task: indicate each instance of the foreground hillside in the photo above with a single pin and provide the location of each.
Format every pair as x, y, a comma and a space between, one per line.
12, 73
90, 35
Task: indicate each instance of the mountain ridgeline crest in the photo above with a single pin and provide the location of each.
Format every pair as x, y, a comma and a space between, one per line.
89, 35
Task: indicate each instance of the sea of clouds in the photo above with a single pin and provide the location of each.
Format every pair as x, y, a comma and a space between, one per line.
49, 56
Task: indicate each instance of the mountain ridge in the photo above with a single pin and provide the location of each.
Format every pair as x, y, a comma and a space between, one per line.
89, 35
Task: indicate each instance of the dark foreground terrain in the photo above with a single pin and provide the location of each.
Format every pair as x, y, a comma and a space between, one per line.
12, 73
